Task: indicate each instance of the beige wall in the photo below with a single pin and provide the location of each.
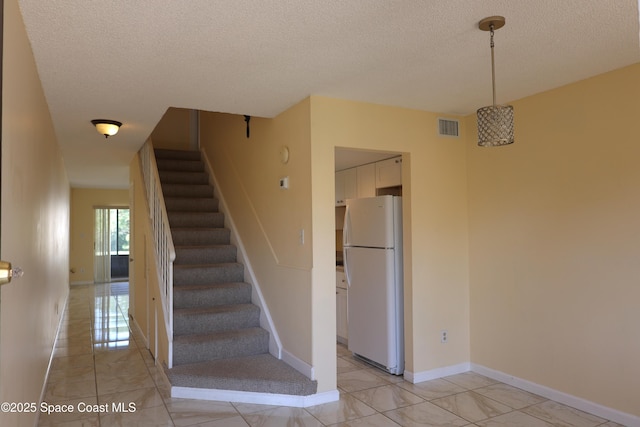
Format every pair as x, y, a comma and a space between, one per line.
555, 240
435, 223
173, 130
300, 292
83, 202
269, 218
35, 226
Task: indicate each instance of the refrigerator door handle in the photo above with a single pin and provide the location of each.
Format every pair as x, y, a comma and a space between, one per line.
346, 266
345, 242
346, 227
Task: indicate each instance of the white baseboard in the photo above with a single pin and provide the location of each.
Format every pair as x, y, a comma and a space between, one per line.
84, 282
256, 398
596, 409
432, 374
139, 330
299, 365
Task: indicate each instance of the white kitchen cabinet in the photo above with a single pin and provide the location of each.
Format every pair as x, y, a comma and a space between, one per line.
342, 329
342, 333
366, 177
389, 173
346, 186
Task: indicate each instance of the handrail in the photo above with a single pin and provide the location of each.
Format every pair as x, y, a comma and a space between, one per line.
163, 242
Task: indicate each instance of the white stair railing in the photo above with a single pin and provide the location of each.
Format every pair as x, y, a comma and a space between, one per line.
163, 242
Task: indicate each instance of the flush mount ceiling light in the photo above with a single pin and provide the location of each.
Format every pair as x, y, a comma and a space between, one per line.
106, 127
495, 123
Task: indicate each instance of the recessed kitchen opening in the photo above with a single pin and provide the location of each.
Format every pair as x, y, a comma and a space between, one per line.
369, 274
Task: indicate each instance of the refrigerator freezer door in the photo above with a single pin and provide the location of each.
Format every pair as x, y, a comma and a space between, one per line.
372, 305
369, 222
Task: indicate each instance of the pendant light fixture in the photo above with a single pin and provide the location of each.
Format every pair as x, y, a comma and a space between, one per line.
106, 127
495, 123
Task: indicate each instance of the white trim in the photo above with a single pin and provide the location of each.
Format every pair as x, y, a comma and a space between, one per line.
82, 282
139, 330
257, 398
298, 364
432, 374
596, 409
266, 321
53, 350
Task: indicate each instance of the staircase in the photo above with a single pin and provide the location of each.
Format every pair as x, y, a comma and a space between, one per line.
217, 339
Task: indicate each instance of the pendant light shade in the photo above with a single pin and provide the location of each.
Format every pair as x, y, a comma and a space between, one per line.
495, 122
106, 127
495, 125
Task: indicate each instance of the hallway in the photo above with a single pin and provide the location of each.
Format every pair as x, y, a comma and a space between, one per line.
104, 374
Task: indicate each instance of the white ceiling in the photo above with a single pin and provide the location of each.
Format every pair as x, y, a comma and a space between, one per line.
131, 60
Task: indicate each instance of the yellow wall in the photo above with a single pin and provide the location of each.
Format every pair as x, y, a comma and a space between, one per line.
173, 130
83, 202
434, 215
555, 239
35, 226
299, 281
269, 218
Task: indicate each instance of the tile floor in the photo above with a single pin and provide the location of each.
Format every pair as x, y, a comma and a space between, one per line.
99, 362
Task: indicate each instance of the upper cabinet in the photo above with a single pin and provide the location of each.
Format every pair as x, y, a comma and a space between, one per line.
389, 173
366, 175
346, 186
365, 180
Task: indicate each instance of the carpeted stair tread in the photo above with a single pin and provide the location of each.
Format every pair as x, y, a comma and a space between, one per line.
163, 153
205, 254
187, 190
222, 309
177, 177
195, 348
261, 373
195, 236
192, 296
191, 204
187, 219
180, 165
202, 320
184, 274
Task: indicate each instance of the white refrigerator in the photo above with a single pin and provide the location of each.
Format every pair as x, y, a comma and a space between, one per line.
372, 245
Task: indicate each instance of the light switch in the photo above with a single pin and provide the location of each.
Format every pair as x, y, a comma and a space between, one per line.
284, 183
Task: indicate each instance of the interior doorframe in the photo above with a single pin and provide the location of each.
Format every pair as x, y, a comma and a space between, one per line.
1, 102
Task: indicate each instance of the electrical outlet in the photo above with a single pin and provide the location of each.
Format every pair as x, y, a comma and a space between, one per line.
444, 336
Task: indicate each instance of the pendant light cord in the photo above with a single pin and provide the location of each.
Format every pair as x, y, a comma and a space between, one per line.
493, 71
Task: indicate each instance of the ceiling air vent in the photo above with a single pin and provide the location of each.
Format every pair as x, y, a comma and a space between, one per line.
448, 127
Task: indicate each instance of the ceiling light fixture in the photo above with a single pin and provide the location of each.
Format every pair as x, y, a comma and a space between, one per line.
495, 123
106, 127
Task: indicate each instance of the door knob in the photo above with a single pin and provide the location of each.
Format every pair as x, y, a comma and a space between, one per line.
7, 272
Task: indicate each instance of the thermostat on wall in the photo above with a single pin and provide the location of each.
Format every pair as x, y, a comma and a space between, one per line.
284, 183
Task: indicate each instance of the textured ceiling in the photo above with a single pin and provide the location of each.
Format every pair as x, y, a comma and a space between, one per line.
131, 60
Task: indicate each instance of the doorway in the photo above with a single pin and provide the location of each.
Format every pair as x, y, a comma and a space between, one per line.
111, 254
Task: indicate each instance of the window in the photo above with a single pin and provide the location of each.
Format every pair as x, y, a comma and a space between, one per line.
119, 231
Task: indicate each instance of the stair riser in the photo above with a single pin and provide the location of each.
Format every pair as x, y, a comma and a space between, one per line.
178, 165
205, 255
221, 273
215, 322
169, 177
187, 190
238, 293
196, 219
199, 237
179, 204
184, 353
176, 154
